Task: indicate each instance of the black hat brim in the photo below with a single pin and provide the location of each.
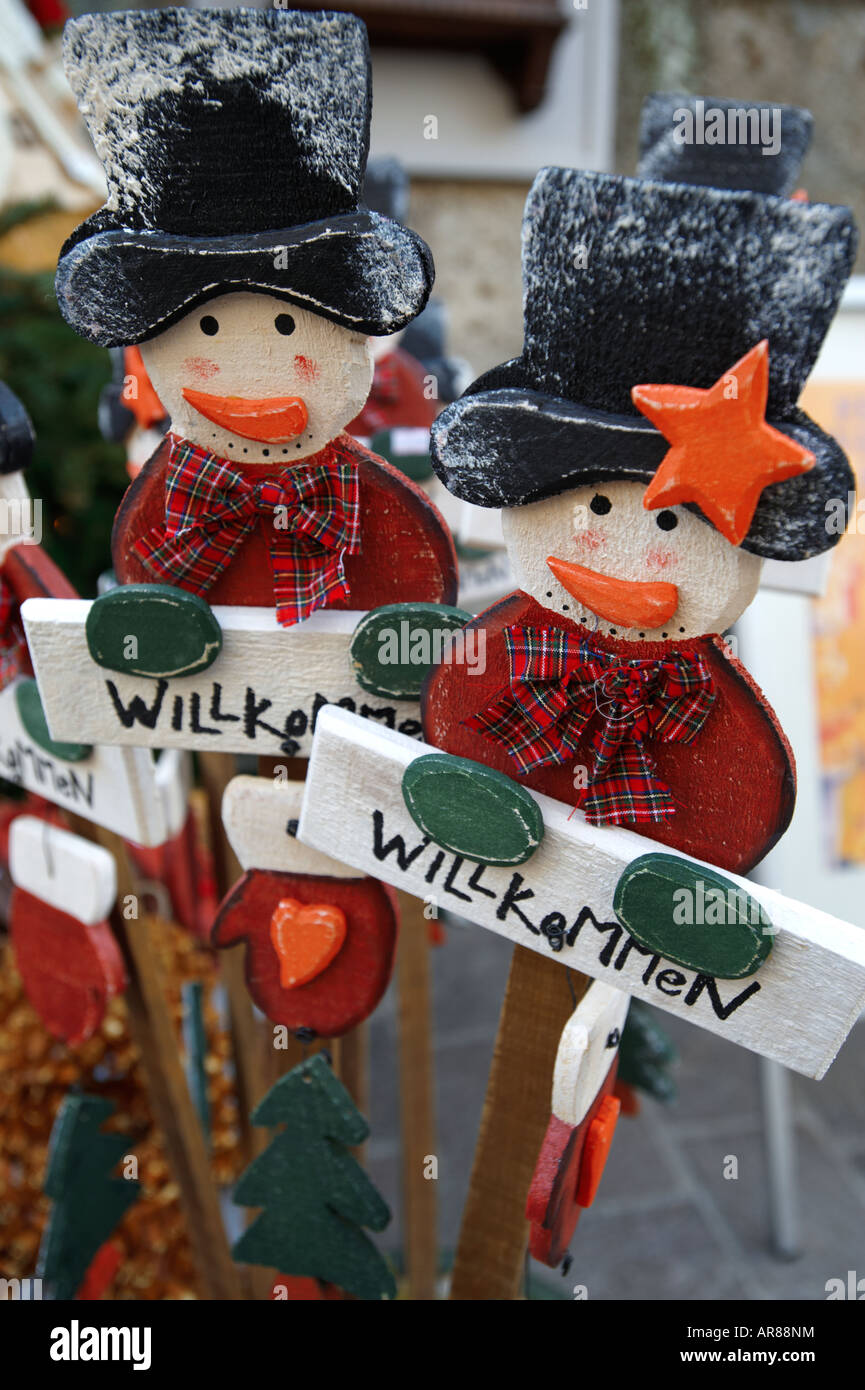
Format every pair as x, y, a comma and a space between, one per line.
366, 272
509, 446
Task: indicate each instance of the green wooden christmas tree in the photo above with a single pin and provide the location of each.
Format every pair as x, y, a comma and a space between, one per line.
315, 1197
88, 1202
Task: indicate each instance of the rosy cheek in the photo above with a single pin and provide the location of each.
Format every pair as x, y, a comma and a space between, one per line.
588, 540
661, 559
200, 367
307, 370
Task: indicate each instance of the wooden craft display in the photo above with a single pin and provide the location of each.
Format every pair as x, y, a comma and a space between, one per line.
235, 253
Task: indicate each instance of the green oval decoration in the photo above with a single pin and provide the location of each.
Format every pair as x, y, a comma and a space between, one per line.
393, 647
416, 466
32, 716
472, 810
153, 630
693, 916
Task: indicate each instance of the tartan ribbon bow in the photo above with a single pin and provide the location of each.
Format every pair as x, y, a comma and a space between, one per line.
310, 511
561, 688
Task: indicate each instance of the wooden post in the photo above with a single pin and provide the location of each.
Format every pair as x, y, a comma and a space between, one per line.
417, 1100
539, 1000
216, 771
153, 1030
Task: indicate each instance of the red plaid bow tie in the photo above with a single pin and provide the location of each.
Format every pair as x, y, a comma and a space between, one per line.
560, 686
12, 642
310, 513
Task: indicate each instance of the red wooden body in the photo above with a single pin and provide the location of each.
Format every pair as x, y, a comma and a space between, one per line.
404, 403
31, 573
69, 970
734, 786
406, 548
348, 989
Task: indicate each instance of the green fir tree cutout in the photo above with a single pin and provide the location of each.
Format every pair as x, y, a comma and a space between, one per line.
88, 1202
315, 1197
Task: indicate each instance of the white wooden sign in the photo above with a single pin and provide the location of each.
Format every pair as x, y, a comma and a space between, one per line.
260, 816
798, 1009
113, 787
62, 869
261, 695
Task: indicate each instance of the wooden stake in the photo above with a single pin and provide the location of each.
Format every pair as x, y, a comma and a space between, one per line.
538, 1003
152, 1029
417, 1101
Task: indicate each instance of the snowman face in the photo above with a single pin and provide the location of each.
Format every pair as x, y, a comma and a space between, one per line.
596, 555
253, 378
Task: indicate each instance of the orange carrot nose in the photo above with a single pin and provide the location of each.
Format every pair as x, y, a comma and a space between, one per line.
272, 419
627, 602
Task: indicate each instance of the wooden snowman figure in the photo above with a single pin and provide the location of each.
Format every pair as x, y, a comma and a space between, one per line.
235, 253
232, 250
648, 453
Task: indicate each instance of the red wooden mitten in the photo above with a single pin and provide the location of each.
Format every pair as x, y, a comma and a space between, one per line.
69, 969
337, 934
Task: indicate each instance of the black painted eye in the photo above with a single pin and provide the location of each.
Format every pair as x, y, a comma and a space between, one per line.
284, 324
209, 325
668, 521
600, 504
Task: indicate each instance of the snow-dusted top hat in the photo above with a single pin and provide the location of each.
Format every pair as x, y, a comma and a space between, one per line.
234, 144
629, 281
723, 142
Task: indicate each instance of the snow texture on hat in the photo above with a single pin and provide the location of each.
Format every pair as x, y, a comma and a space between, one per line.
313, 66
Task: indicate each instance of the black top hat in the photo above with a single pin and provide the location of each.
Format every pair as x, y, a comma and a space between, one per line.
723, 142
234, 144
630, 281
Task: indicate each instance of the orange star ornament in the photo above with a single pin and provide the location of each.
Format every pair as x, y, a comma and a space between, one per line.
723, 453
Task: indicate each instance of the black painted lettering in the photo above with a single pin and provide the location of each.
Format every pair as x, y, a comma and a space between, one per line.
405, 858
449, 881
216, 707
137, 712
195, 725
709, 984
511, 898
475, 881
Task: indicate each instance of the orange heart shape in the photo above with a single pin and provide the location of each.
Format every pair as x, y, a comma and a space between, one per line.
306, 937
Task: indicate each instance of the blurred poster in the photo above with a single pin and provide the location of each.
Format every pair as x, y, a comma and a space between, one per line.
839, 407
